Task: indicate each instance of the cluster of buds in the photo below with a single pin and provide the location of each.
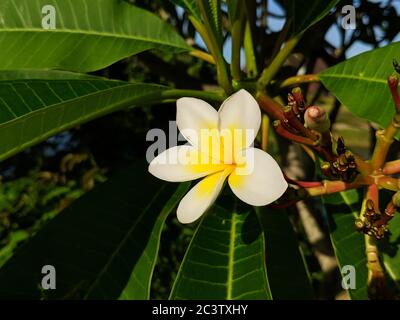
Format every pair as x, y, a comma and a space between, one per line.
310, 126
369, 224
344, 167
373, 222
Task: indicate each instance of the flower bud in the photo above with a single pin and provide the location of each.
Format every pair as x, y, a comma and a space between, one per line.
393, 82
317, 119
298, 98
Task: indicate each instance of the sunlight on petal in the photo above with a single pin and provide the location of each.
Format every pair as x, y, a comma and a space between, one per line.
201, 197
241, 111
259, 181
194, 115
183, 163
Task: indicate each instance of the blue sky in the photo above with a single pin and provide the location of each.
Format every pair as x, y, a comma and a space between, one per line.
332, 35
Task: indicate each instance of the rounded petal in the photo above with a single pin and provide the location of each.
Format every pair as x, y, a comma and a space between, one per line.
194, 115
241, 112
259, 181
183, 163
201, 197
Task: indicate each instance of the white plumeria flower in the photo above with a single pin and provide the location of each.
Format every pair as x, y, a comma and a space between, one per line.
220, 147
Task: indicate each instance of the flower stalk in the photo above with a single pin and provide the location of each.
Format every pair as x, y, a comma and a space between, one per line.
298, 80
329, 187
385, 138
209, 37
203, 56
269, 73
391, 167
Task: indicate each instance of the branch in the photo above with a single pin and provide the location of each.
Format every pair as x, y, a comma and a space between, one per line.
202, 55
280, 129
385, 138
329, 187
392, 167
297, 80
211, 42
271, 107
269, 73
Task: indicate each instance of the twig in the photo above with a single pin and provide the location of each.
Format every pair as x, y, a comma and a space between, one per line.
202, 55
297, 80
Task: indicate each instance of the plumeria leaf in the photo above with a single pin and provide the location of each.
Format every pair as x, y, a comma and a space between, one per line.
287, 272
213, 17
233, 6
138, 286
190, 6
225, 259
39, 104
342, 209
305, 13
103, 246
88, 35
360, 83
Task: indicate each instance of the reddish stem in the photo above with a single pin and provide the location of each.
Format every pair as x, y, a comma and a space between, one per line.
393, 83
291, 136
329, 187
303, 184
271, 107
373, 194
392, 167
296, 124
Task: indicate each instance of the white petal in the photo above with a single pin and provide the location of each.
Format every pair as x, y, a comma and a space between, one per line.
260, 181
194, 115
241, 111
201, 197
182, 163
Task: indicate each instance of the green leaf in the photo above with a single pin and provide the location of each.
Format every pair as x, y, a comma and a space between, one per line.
89, 34
305, 13
287, 272
360, 83
143, 270
212, 16
32, 110
342, 209
29, 74
390, 249
103, 245
190, 7
225, 259
233, 6
15, 238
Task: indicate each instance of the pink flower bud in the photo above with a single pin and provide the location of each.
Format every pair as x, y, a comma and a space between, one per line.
393, 82
317, 119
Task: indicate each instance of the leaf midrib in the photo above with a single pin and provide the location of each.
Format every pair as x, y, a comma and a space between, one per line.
61, 105
94, 33
350, 76
231, 261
